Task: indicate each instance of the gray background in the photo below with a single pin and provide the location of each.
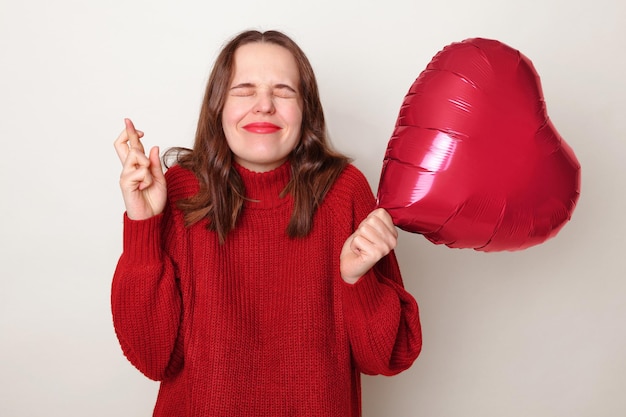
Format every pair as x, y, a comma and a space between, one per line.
533, 333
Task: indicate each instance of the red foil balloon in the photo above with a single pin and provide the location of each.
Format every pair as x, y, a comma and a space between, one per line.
474, 161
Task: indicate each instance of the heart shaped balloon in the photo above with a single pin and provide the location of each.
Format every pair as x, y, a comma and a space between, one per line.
474, 160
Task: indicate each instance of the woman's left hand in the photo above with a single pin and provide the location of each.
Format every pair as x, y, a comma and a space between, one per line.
375, 237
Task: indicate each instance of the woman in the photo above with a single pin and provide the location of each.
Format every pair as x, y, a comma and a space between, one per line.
257, 277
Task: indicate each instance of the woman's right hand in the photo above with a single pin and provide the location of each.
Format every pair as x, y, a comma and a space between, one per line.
142, 180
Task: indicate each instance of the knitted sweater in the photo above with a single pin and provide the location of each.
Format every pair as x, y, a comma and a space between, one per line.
262, 325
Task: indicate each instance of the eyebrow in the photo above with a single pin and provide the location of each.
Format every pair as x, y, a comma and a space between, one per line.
286, 87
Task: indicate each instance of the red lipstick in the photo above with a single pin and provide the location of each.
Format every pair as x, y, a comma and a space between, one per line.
262, 127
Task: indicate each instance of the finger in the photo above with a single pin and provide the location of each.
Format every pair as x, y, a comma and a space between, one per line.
156, 168
378, 233
136, 174
367, 251
386, 220
358, 244
136, 179
376, 238
121, 146
135, 160
133, 135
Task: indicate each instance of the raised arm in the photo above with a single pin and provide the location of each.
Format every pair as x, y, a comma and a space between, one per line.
382, 318
145, 297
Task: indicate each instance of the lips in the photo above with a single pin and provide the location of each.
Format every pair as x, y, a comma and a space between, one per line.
262, 127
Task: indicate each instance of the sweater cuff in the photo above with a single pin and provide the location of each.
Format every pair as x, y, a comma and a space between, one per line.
142, 239
366, 295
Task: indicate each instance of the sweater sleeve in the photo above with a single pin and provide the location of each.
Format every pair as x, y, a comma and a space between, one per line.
146, 300
382, 318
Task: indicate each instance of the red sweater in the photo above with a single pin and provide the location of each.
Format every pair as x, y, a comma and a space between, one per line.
262, 325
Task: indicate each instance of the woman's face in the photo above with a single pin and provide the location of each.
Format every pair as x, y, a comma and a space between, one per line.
263, 109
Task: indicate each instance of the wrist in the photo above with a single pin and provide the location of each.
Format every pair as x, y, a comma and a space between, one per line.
350, 280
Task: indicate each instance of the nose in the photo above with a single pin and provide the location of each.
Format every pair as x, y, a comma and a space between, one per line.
264, 103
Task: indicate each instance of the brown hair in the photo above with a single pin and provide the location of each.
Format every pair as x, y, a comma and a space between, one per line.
314, 164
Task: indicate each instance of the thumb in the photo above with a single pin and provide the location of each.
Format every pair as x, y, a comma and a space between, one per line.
156, 169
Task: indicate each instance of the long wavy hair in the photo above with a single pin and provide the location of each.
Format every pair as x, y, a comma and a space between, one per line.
315, 165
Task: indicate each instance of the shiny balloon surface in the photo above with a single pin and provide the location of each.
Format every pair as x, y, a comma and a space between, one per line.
474, 160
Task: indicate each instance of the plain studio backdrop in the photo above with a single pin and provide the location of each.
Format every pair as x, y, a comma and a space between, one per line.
539, 332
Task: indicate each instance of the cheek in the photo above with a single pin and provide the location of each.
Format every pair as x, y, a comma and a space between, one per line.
229, 127
293, 114
232, 113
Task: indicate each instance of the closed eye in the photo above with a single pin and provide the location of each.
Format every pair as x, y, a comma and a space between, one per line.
285, 91
242, 90
248, 90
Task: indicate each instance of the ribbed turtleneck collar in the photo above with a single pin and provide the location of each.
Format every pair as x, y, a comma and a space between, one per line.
263, 188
